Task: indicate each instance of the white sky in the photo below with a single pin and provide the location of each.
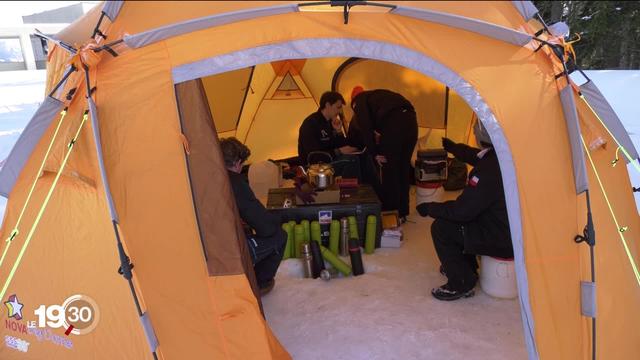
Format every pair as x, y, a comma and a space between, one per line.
11, 12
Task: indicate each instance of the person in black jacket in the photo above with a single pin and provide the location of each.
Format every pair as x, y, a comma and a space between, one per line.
322, 131
265, 237
476, 223
384, 122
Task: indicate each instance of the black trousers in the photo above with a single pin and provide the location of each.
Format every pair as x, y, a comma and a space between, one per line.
461, 268
266, 254
399, 137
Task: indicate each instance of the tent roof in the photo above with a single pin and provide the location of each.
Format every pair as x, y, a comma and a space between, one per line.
136, 14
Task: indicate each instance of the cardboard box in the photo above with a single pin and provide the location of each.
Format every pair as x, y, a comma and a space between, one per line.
391, 238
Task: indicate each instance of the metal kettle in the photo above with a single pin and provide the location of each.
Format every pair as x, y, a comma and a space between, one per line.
320, 176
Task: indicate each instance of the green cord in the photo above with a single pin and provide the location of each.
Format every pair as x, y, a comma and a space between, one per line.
43, 207
15, 231
621, 229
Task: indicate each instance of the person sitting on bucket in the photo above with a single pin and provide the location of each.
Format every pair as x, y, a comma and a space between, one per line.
265, 238
475, 223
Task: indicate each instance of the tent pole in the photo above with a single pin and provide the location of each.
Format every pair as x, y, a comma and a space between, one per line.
125, 264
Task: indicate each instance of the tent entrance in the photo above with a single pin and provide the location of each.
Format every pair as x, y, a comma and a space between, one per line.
263, 106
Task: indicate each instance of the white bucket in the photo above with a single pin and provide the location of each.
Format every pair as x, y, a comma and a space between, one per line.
429, 195
498, 277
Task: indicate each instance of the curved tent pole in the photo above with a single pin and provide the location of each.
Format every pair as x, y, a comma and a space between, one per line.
126, 266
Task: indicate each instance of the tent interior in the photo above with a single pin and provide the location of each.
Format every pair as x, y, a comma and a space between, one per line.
390, 307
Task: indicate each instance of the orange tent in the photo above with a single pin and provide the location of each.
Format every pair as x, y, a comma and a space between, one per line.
121, 165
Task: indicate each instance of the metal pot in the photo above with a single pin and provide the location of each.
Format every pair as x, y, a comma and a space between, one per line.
320, 176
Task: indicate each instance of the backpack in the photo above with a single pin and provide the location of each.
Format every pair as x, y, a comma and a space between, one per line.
457, 175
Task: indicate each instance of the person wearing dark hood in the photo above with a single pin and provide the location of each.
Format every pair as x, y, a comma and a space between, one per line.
476, 223
385, 124
265, 238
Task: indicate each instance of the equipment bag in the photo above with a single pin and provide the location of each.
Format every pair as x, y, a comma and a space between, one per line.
457, 179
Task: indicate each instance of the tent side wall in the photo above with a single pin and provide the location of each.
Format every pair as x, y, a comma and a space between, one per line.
72, 251
616, 252
145, 160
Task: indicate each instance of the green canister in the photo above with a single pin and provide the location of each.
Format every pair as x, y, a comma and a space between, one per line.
315, 231
335, 261
334, 236
353, 228
370, 236
307, 230
298, 233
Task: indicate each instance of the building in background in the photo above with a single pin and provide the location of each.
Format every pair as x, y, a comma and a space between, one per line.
21, 50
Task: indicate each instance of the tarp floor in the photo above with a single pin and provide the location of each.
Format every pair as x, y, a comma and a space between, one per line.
389, 313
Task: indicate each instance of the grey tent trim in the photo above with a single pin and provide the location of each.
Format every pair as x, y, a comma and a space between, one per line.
604, 110
526, 9
477, 26
98, 143
575, 139
31, 135
185, 27
112, 8
318, 48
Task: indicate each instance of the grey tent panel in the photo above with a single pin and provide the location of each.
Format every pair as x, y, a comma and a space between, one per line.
103, 174
185, 27
27, 141
575, 138
112, 8
526, 9
477, 26
601, 106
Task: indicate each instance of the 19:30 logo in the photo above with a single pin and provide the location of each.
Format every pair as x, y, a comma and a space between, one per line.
78, 315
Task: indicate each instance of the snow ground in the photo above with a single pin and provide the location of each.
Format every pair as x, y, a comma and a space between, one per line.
389, 313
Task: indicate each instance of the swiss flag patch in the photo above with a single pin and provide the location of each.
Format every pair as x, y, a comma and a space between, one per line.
474, 181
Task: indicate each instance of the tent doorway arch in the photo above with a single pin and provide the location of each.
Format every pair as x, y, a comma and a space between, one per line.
399, 55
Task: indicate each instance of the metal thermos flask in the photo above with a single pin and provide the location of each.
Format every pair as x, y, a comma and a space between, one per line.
307, 260
344, 237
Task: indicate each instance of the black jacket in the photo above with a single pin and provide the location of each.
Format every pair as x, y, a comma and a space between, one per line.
481, 208
371, 110
252, 212
317, 134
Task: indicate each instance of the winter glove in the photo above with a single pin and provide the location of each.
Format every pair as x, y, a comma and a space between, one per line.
423, 209
447, 144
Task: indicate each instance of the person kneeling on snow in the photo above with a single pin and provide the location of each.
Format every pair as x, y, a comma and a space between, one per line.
475, 223
265, 238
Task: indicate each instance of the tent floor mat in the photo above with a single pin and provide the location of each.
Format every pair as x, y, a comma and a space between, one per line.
389, 313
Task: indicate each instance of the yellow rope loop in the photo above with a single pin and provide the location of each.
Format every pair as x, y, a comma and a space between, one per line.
623, 229
614, 162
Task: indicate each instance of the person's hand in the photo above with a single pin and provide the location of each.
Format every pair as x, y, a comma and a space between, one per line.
423, 209
377, 136
447, 144
347, 149
306, 193
336, 122
380, 159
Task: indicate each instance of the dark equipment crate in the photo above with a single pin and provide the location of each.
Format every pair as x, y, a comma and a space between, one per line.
359, 202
